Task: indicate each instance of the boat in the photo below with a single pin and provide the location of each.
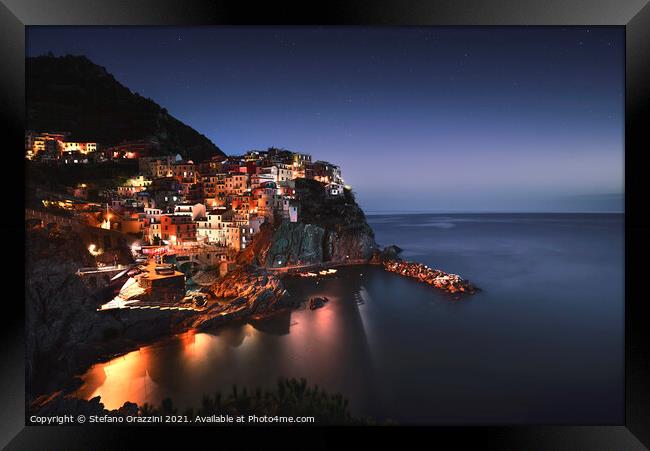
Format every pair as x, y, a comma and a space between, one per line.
122, 275
164, 270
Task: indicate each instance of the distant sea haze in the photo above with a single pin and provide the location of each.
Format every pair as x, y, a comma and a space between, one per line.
487, 212
441, 203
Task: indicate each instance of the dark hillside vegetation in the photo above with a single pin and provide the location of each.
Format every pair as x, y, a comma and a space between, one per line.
71, 93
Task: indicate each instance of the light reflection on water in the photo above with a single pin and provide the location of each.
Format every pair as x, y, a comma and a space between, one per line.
541, 343
302, 343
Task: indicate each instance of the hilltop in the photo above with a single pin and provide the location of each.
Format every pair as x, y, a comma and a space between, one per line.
71, 93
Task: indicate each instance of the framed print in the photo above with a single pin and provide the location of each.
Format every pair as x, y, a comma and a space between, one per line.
388, 217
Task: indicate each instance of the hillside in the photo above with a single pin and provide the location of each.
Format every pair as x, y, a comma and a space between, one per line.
71, 93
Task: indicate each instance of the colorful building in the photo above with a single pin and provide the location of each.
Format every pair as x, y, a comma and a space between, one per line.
177, 228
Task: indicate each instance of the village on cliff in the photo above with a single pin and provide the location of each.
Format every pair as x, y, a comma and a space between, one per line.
196, 215
180, 204
176, 245
191, 221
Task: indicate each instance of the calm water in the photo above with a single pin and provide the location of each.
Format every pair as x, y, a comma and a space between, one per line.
542, 343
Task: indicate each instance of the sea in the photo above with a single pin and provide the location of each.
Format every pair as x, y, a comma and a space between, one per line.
542, 342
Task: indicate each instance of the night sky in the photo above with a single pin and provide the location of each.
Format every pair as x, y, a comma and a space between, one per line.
419, 119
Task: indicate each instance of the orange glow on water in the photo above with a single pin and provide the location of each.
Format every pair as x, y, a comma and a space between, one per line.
189, 365
188, 341
123, 378
196, 345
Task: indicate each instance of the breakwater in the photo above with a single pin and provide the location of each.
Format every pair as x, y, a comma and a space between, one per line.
451, 283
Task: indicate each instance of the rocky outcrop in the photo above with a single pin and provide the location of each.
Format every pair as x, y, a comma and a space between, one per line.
350, 245
299, 244
331, 229
243, 293
256, 252
318, 302
253, 288
296, 244
391, 252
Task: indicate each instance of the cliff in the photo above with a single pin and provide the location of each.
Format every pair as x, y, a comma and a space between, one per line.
71, 93
331, 229
61, 316
242, 293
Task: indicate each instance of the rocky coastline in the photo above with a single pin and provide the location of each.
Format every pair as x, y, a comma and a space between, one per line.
247, 292
66, 333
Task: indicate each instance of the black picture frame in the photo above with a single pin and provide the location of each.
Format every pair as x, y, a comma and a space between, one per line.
633, 15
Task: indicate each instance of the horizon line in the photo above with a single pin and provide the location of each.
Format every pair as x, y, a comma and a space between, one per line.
416, 212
